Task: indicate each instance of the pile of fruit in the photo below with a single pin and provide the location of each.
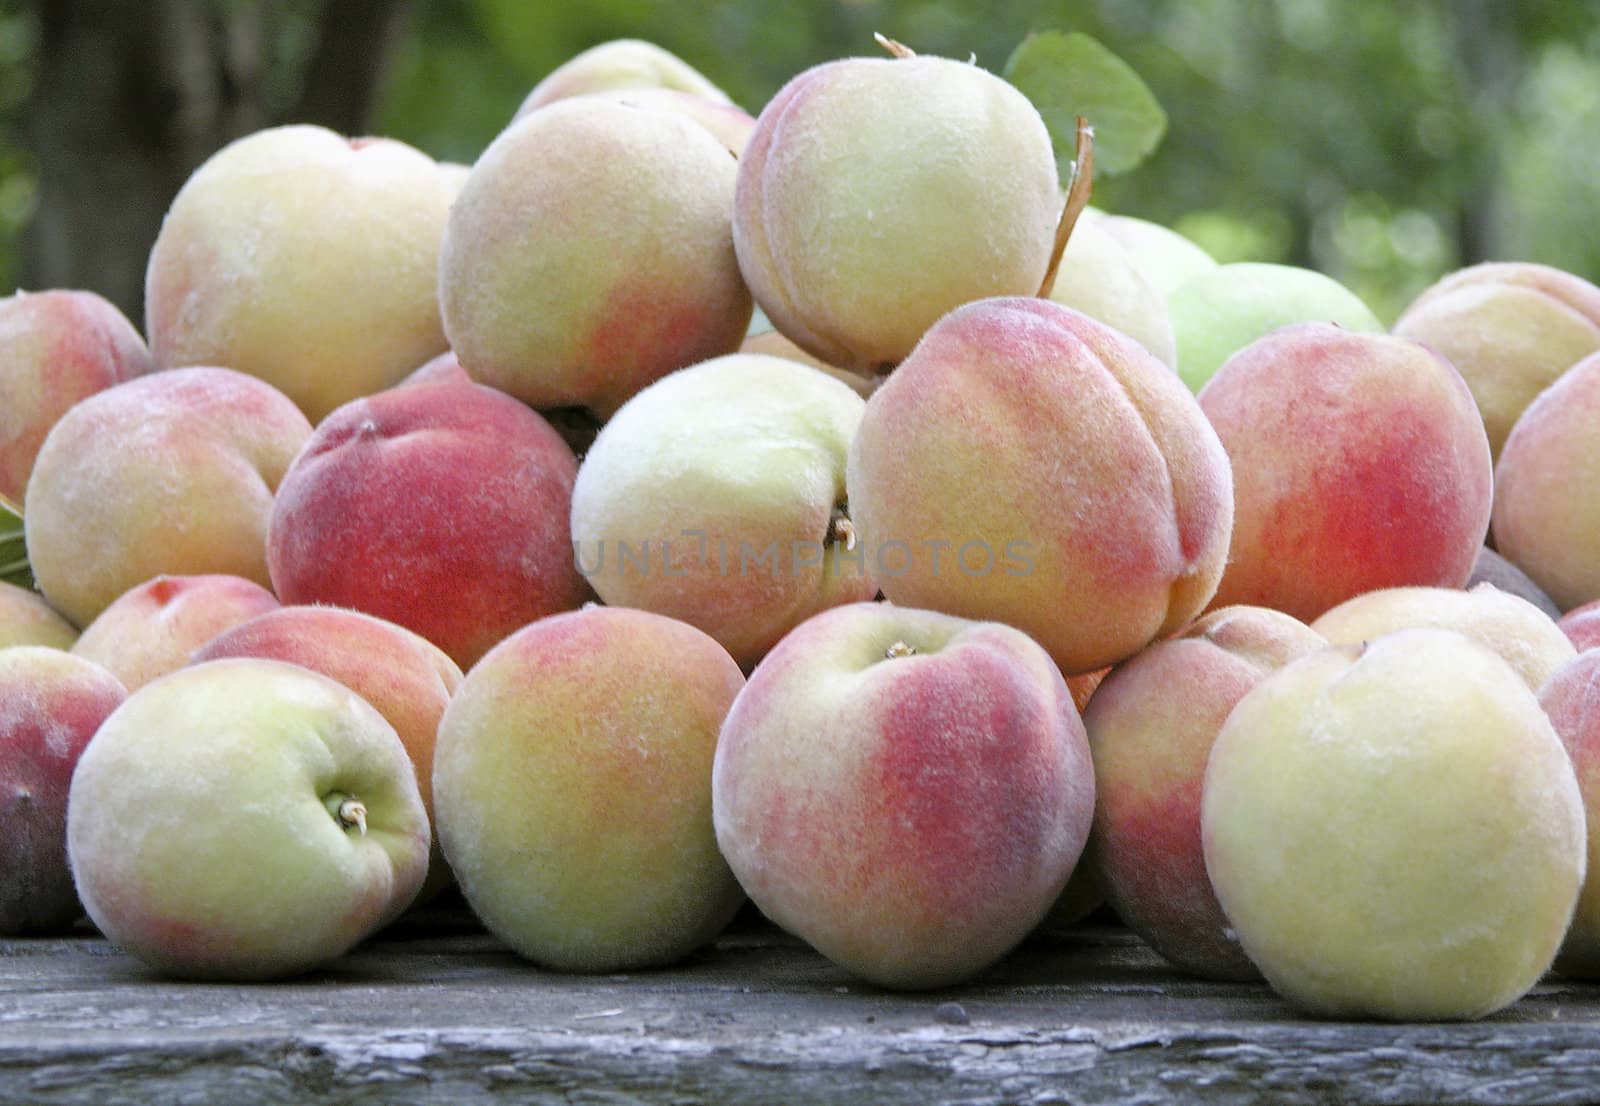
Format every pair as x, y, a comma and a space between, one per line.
471, 525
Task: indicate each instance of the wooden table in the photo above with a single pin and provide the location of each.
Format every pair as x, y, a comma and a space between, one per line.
437, 1011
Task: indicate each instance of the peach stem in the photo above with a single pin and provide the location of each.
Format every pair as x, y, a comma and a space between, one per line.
1077, 200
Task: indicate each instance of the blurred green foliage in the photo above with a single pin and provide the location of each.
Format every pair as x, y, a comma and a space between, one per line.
1383, 143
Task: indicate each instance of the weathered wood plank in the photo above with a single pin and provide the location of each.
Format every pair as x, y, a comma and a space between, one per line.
425, 1017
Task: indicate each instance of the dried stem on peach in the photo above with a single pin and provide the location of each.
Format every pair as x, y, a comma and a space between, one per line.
1077, 199
897, 49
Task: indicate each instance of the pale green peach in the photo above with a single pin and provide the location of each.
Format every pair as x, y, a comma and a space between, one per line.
1394, 830
306, 259
1524, 636
1220, 311
1510, 328
26, 619
572, 778
244, 819
1166, 258
1100, 278
717, 496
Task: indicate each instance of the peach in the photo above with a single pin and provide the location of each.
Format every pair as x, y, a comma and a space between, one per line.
717, 496
728, 123
1100, 278
1545, 518
26, 619
1394, 829
446, 368
1221, 310
1582, 626
1359, 462
306, 259
173, 472
877, 194
1511, 328
1166, 258
58, 347
591, 252
1524, 636
573, 783
51, 704
151, 629
440, 507
1492, 568
770, 343
1571, 698
966, 500
1151, 725
624, 63
906, 791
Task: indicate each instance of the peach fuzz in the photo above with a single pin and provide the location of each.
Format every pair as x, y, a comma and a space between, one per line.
1582, 626
1394, 829
26, 619
1546, 517
906, 791
440, 507
573, 784
591, 252
878, 194
304, 258
966, 499
58, 347
1151, 725
173, 472
1511, 328
408, 679
1359, 462
1571, 698
151, 629
1524, 636
51, 704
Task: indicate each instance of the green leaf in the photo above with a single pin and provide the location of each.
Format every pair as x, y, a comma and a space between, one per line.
13, 551
1068, 75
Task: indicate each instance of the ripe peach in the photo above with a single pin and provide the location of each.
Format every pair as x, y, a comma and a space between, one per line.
26, 619
1544, 518
1523, 635
58, 347
1100, 278
1151, 725
1359, 462
306, 259
151, 629
1394, 829
51, 704
1582, 626
446, 368
717, 496
173, 472
408, 679
966, 500
1511, 328
591, 252
440, 507
573, 784
1571, 698
728, 123
1222, 310
624, 63
906, 791
878, 194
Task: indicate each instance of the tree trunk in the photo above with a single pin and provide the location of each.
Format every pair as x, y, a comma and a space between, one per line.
131, 97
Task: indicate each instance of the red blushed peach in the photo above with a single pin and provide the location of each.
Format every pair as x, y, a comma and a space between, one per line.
573, 782
150, 630
1546, 518
1029, 465
1359, 462
1524, 636
906, 791
26, 619
58, 347
173, 472
1510, 328
408, 679
1571, 698
1151, 725
51, 704
441, 507
1582, 626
